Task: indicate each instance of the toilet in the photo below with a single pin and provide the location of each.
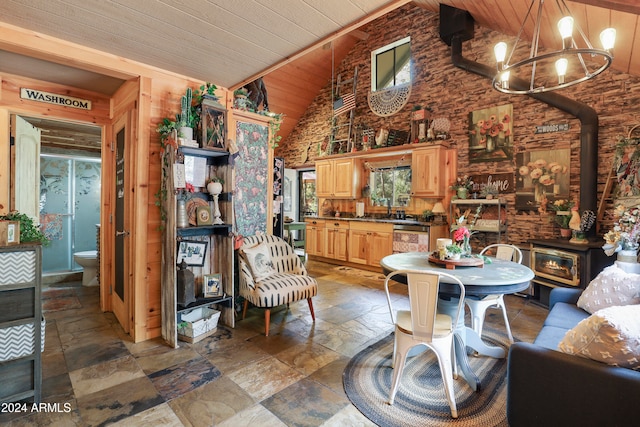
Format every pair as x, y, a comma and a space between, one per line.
88, 260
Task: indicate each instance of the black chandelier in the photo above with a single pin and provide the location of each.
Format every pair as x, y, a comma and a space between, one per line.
576, 62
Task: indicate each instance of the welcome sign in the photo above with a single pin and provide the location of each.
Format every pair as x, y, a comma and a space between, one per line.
53, 98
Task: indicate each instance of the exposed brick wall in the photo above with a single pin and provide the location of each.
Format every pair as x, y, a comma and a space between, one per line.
454, 93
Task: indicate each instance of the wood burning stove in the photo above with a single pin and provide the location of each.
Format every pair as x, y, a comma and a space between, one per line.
558, 263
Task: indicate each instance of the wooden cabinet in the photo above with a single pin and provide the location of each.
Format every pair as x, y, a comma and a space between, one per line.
218, 255
337, 178
21, 323
428, 171
315, 237
335, 242
369, 242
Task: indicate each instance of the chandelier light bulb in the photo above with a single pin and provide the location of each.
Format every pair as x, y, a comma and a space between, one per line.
575, 48
500, 50
565, 26
608, 38
561, 69
504, 79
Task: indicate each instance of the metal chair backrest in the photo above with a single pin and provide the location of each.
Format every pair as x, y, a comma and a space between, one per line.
423, 299
505, 252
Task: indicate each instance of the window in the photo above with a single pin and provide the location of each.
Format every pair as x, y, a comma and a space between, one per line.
308, 199
391, 65
391, 185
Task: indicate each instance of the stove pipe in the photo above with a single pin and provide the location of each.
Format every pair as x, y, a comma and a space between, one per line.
587, 116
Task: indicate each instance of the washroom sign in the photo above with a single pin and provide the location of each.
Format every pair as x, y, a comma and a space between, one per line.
54, 98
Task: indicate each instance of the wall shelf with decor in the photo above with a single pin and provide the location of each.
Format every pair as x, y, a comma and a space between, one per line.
195, 227
484, 215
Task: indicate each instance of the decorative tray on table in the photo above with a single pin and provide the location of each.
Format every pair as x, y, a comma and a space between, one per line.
451, 264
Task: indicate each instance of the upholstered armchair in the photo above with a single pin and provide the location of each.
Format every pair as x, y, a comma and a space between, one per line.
271, 274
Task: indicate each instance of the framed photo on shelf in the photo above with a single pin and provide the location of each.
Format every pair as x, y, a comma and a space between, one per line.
212, 285
203, 215
192, 252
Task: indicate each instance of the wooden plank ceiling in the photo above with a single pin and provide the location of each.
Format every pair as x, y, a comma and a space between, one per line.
287, 42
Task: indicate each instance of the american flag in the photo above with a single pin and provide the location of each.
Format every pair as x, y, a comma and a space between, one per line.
345, 103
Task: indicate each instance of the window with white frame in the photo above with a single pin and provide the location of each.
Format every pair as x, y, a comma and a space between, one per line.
391, 65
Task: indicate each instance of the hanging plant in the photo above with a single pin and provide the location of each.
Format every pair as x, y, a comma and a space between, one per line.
274, 128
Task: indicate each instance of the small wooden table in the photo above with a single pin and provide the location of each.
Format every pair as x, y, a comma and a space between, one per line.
497, 277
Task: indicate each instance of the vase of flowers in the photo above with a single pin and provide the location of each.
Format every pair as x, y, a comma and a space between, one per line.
461, 236
182, 217
462, 186
624, 237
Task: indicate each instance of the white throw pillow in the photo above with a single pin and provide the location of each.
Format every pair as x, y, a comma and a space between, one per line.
259, 261
612, 287
611, 336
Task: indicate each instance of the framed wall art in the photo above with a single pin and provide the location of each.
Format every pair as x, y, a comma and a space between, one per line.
212, 285
490, 134
192, 252
541, 175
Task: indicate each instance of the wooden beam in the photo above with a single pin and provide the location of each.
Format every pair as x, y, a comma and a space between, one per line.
628, 6
393, 5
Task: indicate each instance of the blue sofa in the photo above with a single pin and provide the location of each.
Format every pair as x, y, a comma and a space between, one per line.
546, 387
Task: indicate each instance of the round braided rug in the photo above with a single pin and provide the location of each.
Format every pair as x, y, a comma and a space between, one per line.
421, 400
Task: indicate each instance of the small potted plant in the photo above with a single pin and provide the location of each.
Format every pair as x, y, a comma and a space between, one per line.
240, 93
214, 185
454, 252
489, 192
185, 120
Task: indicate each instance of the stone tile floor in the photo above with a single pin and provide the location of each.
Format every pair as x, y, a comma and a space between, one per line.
95, 375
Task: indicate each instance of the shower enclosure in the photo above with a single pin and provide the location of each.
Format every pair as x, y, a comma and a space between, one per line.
69, 208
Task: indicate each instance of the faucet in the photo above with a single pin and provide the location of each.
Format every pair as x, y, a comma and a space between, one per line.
389, 208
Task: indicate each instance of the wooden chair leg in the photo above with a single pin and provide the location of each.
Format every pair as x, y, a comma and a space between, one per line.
313, 316
267, 320
244, 308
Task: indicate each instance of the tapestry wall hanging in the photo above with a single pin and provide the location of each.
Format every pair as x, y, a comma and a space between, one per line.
490, 134
627, 168
541, 175
251, 177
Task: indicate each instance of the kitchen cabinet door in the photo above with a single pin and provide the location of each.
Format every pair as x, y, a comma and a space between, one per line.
336, 233
315, 237
428, 172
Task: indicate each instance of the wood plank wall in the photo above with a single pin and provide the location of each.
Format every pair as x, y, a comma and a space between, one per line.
159, 97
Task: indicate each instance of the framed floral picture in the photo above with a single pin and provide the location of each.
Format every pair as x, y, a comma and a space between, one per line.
490, 134
542, 176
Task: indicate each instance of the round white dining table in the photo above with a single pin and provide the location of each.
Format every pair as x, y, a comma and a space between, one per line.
494, 277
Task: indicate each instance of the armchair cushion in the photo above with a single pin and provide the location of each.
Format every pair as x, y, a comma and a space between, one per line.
259, 261
611, 287
282, 288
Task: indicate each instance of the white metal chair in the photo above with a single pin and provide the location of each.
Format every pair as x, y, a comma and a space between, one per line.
479, 306
422, 325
